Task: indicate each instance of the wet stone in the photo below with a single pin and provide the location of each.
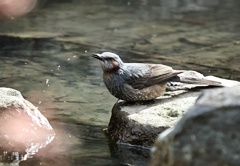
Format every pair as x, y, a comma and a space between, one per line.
139, 123
24, 130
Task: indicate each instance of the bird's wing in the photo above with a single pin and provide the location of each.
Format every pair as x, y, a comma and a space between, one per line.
145, 75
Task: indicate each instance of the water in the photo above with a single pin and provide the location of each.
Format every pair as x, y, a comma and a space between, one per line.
53, 67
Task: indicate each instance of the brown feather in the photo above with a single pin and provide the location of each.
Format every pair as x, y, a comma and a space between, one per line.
156, 74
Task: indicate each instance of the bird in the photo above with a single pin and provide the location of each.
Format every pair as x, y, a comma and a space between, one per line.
136, 81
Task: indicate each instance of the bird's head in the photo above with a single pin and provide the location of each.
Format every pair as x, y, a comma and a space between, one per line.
109, 62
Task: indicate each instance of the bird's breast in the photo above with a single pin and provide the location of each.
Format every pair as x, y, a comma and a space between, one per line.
114, 83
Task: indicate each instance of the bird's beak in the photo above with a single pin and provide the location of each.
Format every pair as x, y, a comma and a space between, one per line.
97, 56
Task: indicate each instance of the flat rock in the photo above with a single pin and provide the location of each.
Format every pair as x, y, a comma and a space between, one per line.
208, 134
24, 130
139, 123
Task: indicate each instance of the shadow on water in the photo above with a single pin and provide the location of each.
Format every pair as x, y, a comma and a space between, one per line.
47, 56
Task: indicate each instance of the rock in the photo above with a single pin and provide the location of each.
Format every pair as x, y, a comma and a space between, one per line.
140, 123
208, 134
23, 129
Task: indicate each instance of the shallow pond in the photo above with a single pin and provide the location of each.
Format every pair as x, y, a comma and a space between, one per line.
47, 56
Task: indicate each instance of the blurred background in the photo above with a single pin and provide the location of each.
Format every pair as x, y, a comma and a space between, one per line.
45, 52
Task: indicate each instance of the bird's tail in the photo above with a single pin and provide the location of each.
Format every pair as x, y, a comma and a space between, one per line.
193, 77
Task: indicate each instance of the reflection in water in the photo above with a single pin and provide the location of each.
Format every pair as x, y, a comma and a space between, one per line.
12, 157
74, 144
130, 155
